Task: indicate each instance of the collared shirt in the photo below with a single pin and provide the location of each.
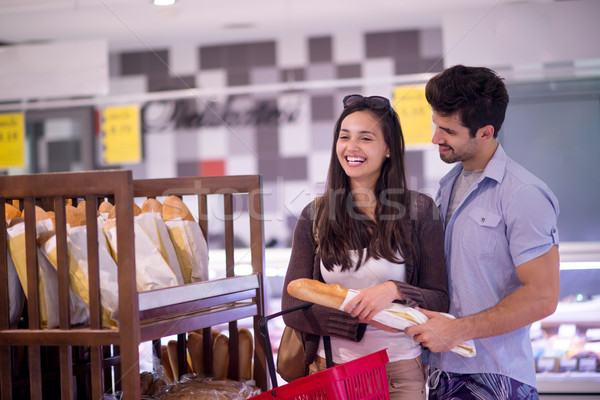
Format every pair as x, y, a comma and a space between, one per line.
506, 218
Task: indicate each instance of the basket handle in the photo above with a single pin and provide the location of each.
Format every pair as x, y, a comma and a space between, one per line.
264, 333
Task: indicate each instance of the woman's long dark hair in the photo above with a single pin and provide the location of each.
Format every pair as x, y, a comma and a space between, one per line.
341, 227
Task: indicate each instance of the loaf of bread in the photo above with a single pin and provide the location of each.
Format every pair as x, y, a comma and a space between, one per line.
313, 291
246, 349
11, 211
104, 207
15, 221
152, 205
43, 237
397, 316
328, 295
221, 357
174, 207
173, 358
195, 348
166, 364
146, 379
205, 389
156, 386
75, 216
333, 296
113, 211
40, 214
215, 334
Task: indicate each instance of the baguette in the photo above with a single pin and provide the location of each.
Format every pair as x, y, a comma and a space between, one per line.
166, 364
221, 357
330, 295
195, 347
313, 291
174, 207
113, 211
105, 207
215, 333
405, 315
40, 214
173, 358
157, 384
246, 348
75, 217
43, 237
146, 379
11, 212
395, 315
15, 221
152, 205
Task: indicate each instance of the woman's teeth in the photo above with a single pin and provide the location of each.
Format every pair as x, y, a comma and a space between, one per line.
352, 160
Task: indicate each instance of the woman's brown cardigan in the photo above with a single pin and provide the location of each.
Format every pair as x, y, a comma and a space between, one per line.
426, 283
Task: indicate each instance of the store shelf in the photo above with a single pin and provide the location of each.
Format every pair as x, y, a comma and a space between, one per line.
568, 383
585, 314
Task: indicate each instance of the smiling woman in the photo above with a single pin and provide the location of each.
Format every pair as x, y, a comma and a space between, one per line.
369, 233
361, 150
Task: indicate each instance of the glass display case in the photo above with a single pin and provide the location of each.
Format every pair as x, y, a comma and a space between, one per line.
567, 343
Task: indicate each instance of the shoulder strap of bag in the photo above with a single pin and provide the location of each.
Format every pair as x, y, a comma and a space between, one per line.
315, 232
328, 355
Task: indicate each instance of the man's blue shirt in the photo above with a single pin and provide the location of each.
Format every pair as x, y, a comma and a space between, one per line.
506, 218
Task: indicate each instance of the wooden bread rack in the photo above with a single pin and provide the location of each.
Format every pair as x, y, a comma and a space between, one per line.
144, 316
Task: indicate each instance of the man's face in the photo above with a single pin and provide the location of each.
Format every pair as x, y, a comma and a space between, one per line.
453, 140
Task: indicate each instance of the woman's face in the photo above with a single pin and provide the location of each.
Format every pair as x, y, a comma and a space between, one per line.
361, 148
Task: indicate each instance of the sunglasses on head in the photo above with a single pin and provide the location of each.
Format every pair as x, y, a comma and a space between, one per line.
376, 102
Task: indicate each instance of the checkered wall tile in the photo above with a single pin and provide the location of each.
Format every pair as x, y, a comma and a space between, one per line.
290, 153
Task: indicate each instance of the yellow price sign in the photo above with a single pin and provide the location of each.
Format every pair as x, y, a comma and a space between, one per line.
121, 135
414, 112
12, 140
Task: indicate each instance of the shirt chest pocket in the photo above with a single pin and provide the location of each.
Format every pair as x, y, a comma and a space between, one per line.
481, 231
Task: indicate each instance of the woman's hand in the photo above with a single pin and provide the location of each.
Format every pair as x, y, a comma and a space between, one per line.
369, 301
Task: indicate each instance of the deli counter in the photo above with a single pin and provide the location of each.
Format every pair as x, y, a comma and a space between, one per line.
566, 344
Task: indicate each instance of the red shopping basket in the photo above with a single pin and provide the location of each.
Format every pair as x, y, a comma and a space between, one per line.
363, 378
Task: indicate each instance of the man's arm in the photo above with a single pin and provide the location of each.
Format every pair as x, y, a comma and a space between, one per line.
536, 299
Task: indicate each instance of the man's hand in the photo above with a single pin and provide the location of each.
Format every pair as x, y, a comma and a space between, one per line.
369, 301
439, 333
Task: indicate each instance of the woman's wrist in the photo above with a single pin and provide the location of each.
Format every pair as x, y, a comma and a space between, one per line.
394, 288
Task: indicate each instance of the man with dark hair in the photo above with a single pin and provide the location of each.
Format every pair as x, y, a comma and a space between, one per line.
501, 246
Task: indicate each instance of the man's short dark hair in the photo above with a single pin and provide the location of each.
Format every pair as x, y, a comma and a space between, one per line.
477, 95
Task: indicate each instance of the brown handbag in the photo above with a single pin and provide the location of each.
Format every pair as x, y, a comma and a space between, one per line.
290, 356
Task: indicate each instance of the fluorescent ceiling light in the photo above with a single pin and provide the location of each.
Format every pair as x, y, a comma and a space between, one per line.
164, 2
